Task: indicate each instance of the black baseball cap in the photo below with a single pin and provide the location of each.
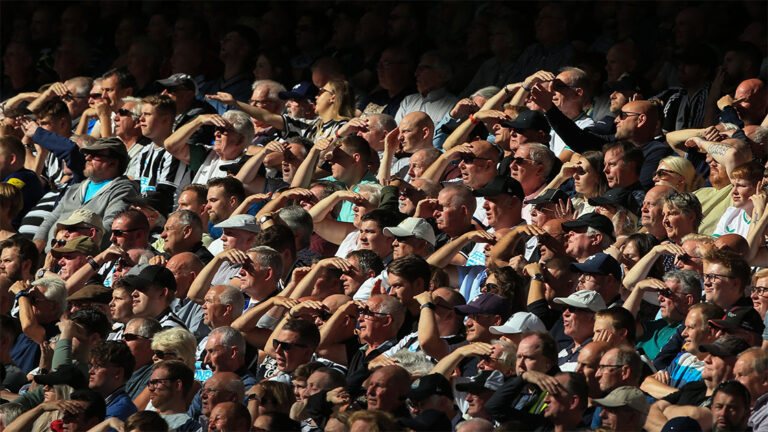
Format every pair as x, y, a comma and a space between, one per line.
726, 346
302, 90
154, 199
432, 384
616, 197
64, 374
142, 276
549, 196
528, 120
501, 185
743, 317
594, 220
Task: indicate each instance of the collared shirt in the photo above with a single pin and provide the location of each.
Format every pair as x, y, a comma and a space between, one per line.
567, 358
168, 319
436, 104
119, 404
526, 212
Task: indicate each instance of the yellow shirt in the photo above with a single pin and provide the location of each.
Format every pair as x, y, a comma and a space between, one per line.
714, 202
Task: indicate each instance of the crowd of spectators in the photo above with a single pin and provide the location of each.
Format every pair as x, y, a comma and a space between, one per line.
381, 216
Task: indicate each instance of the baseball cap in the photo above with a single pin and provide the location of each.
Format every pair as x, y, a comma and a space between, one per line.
82, 244
528, 120
153, 199
485, 303
244, 222
179, 80
501, 185
95, 293
518, 323
428, 420
114, 145
599, 263
64, 374
726, 346
625, 396
744, 317
626, 82
583, 299
482, 382
681, 424
83, 216
594, 220
413, 227
142, 276
428, 385
302, 90
616, 197
549, 196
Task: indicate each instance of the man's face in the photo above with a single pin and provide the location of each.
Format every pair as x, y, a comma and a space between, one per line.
523, 168
729, 413
163, 392
694, 333
288, 359
292, 160
417, 165
578, 243
392, 70
351, 280
577, 322
174, 235
542, 213
627, 126
316, 383
402, 246
587, 365
213, 392
70, 262
260, 98
428, 78
717, 173
566, 98
97, 163
11, 265
608, 374
234, 238
558, 404
742, 190
673, 308
218, 206
370, 326
496, 207
251, 274
652, 213
373, 238
382, 391
617, 172
103, 378
745, 373
145, 301
716, 369
219, 357
411, 136
227, 143
402, 289
617, 418
129, 235
720, 290
188, 201
213, 309
76, 422
476, 403
125, 123
530, 357
140, 347
152, 123
618, 100
692, 258
111, 92
120, 308
448, 215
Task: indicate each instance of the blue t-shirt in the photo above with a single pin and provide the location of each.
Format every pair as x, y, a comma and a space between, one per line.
93, 188
121, 406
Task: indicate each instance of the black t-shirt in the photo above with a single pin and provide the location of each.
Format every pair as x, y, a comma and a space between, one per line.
692, 393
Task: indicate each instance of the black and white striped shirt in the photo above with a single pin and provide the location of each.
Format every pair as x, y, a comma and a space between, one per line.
157, 168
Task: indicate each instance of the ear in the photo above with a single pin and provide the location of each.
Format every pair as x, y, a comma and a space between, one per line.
597, 239
497, 320
270, 274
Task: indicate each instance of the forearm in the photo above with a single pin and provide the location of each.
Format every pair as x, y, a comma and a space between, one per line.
443, 256
447, 364
496, 101
202, 282
303, 176
250, 170
304, 288
459, 135
505, 248
78, 279
676, 139
62, 354
656, 419
24, 421
535, 291
332, 230
82, 125
632, 303
250, 318
756, 234
331, 332
322, 209
176, 144
655, 388
106, 125
29, 324
273, 205
640, 270
572, 135
429, 337
262, 115
385, 165
435, 171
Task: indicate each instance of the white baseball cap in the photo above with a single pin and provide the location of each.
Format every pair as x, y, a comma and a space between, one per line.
518, 323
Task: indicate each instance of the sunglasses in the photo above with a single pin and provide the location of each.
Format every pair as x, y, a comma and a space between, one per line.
662, 172
120, 233
666, 292
162, 354
624, 114
522, 161
366, 311
129, 337
469, 159
287, 346
58, 243
95, 95
573, 309
125, 113
75, 228
490, 287
223, 130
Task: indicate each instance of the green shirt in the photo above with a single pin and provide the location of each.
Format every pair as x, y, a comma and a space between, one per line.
657, 334
346, 214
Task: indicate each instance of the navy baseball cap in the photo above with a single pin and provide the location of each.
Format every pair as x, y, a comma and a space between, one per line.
599, 263
501, 185
487, 304
302, 90
528, 120
594, 220
432, 384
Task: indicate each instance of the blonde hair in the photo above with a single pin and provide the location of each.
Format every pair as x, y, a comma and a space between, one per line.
684, 167
178, 340
11, 198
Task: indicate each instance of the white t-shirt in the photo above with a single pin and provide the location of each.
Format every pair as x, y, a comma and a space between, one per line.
733, 221
349, 244
557, 144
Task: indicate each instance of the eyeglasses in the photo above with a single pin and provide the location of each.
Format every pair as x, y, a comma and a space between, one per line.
125, 113
470, 159
287, 346
259, 102
205, 390
155, 382
129, 337
712, 277
323, 90
58, 243
367, 312
120, 233
662, 172
760, 290
624, 114
489, 359
599, 367
163, 354
95, 95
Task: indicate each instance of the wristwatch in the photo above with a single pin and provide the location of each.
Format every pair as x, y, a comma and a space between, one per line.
538, 277
22, 293
265, 218
427, 305
40, 273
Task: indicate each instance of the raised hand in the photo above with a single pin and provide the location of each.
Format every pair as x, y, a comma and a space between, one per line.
463, 108
542, 96
223, 97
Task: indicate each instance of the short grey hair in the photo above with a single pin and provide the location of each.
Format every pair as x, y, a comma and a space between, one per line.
236, 387
188, 218
148, 327
415, 362
268, 258
300, 222
690, 281
136, 111
508, 354
486, 92
229, 337
373, 190
475, 425
9, 412
580, 77
541, 153
55, 290
687, 203
382, 122
82, 85
233, 296
391, 306
242, 124
607, 240
273, 88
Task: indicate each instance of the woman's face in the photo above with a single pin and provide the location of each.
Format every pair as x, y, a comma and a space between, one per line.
676, 223
263, 69
585, 180
167, 354
49, 393
491, 285
665, 176
324, 100
760, 296
630, 254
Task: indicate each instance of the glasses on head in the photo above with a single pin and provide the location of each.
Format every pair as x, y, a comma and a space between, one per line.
120, 233
714, 277
156, 381
163, 354
58, 243
287, 346
624, 114
367, 312
760, 290
129, 337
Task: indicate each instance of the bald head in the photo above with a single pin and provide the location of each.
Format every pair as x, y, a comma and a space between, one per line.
187, 261
486, 150
222, 387
416, 131
185, 266
734, 243
751, 101
230, 416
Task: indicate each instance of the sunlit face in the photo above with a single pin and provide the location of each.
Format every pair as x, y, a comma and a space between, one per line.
174, 234
125, 122
289, 359
120, 308
652, 213
558, 404
219, 205
402, 246
382, 391
417, 165
233, 238
694, 333
11, 265
587, 365
759, 296
70, 262
372, 237
411, 136
608, 374
578, 243
402, 289
745, 373
742, 190
692, 258
542, 213
617, 172
525, 168
530, 356
448, 215
675, 307
585, 180
152, 123
676, 223
664, 175
723, 290
496, 207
